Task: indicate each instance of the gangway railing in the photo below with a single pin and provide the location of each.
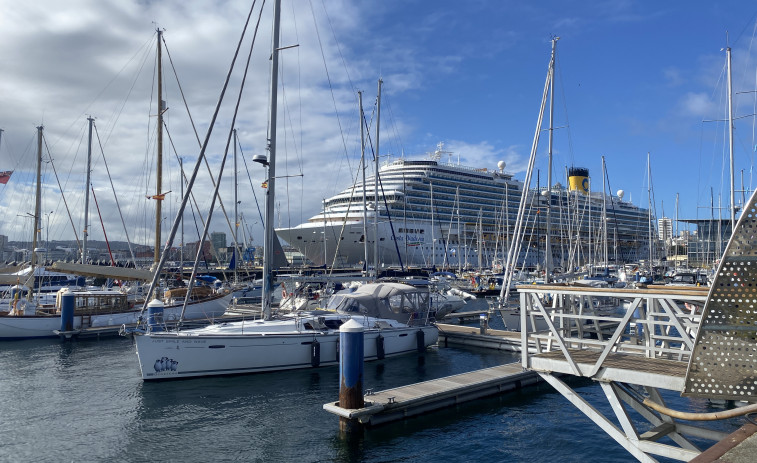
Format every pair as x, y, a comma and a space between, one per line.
657, 323
633, 342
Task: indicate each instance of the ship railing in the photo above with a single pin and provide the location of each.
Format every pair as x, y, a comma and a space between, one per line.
575, 325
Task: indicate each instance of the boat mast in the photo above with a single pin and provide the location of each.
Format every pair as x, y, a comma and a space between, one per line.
675, 240
86, 194
271, 187
181, 248
649, 216
548, 241
159, 168
730, 138
362, 167
376, 184
236, 212
433, 241
604, 215
460, 238
37, 210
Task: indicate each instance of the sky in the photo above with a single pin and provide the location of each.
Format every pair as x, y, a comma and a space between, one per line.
635, 80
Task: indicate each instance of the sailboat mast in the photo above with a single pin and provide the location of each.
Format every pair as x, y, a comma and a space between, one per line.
362, 167
271, 187
604, 213
37, 206
649, 216
730, 139
181, 247
86, 194
376, 183
433, 240
236, 212
548, 241
159, 168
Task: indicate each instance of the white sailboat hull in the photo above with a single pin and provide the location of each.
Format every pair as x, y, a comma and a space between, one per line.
42, 326
213, 352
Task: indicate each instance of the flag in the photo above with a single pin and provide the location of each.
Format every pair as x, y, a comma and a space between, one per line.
264, 185
233, 262
159, 197
5, 176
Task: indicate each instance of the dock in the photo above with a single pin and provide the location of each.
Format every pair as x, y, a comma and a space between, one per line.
415, 399
472, 336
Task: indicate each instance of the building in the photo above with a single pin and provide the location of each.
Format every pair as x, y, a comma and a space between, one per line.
665, 229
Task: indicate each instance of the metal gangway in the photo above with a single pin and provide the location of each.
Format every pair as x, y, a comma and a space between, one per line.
643, 345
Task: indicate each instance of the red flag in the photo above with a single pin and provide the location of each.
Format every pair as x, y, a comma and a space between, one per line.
5, 176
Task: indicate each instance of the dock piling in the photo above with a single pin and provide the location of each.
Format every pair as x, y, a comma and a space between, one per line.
350, 372
67, 312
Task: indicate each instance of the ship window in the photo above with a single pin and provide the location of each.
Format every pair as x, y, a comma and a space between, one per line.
381, 239
299, 237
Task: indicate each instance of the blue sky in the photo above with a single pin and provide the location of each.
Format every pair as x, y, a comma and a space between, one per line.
632, 78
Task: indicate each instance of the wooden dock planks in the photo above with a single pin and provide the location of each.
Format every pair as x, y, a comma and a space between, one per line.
414, 399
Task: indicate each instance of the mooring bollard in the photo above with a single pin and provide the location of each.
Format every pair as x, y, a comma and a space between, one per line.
350, 372
155, 315
67, 312
483, 322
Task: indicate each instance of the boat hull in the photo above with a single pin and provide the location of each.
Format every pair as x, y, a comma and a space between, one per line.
172, 356
44, 326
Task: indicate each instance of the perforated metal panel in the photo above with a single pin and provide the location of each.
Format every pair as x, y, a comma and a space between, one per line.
724, 361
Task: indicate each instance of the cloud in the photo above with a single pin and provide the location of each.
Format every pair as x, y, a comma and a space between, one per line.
697, 104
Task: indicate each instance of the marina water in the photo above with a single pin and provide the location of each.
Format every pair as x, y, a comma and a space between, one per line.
85, 401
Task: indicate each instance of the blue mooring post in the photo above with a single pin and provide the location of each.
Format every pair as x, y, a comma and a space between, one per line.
350, 372
67, 312
155, 315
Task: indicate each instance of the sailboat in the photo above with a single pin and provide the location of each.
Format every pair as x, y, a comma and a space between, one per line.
98, 308
395, 316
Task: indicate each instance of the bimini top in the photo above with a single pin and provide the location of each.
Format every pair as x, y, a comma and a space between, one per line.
396, 301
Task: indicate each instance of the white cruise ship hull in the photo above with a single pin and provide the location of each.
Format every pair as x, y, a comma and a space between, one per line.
414, 249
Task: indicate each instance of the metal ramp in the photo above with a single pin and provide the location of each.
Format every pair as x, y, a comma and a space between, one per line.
723, 362
646, 349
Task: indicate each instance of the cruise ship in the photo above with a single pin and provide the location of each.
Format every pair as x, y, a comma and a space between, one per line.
441, 215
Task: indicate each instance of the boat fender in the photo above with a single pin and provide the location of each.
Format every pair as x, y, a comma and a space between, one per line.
420, 338
284, 293
315, 353
380, 354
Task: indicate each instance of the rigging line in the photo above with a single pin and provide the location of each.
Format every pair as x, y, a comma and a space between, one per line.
353, 190
65, 202
212, 122
565, 108
249, 177
333, 33
207, 164
386, 205
394, 125
102, 224
115, 196
213, 250
216, 195
612, 202
331, 87
213, 181
116, 115
181, 91
299, 111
